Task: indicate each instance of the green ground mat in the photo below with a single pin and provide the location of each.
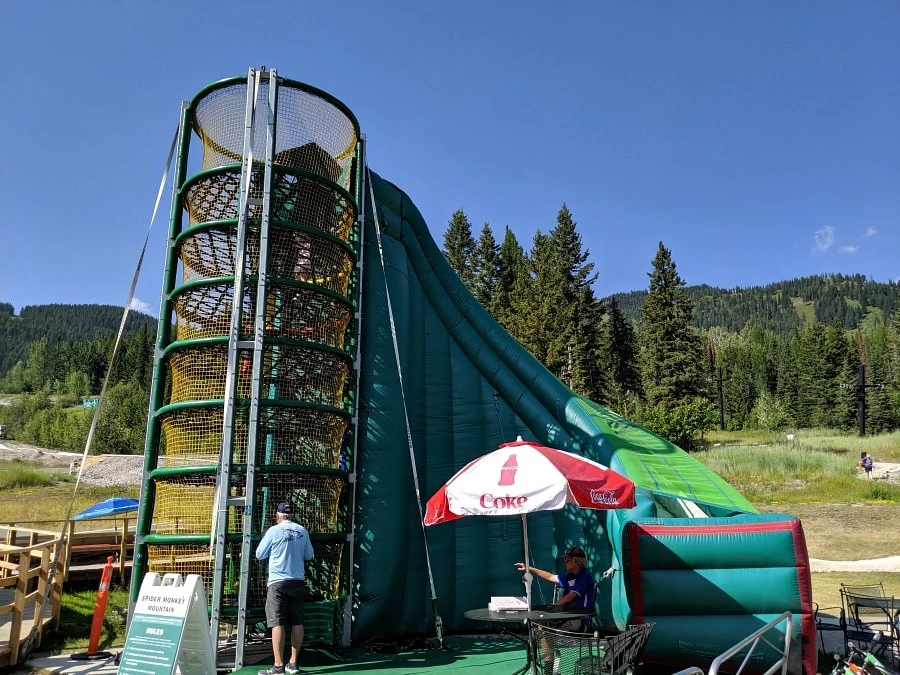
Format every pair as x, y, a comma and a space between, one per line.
461, 656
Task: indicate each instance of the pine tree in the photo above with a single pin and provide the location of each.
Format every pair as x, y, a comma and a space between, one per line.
539, 319
583, 339
880, 413
486, 267
619, 356
837, 405
512, 274
671, 349
733, 356
459, 245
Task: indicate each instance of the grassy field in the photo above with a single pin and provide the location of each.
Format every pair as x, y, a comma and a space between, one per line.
816, 478
814, 468
16, 474
49, 503
76, 614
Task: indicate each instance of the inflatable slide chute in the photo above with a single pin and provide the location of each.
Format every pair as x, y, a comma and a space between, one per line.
469, 386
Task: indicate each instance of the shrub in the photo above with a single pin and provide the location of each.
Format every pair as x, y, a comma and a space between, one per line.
12, 476
683, 424
769, 413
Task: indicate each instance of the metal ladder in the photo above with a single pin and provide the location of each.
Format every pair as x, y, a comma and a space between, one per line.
224, 500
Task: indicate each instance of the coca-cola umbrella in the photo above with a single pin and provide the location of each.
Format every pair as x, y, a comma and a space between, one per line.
522, 478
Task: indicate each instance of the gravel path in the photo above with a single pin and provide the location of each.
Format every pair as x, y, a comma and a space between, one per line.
889, 563
103, 470
114, 470
883, 471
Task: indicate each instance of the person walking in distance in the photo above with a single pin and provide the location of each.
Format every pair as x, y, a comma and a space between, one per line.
286, 545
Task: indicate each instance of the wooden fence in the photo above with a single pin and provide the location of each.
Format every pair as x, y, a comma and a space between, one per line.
29, 617
27, 553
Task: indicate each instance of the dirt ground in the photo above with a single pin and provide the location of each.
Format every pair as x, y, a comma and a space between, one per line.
29, 453
852, 537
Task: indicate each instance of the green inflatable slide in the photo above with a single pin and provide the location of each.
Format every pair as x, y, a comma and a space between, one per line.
693, 556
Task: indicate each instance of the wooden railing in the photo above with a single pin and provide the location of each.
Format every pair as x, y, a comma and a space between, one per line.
17, 570
81, 538
28, 551
117, 541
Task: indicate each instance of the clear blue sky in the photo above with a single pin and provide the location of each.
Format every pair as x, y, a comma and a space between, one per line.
759, 140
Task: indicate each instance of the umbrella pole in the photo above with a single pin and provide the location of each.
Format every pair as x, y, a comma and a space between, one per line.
528, 576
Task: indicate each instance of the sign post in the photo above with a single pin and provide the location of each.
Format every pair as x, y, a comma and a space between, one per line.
169, 629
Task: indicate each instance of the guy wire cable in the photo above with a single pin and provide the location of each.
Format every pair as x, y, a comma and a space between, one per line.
438, 622
499, 421
96, 416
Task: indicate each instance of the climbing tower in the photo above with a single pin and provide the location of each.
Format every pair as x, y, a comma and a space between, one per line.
255, 372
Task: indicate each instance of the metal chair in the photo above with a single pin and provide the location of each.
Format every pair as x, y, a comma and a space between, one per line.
564, 653
622, 652
824, 625
867, 611
557, 652
869, 590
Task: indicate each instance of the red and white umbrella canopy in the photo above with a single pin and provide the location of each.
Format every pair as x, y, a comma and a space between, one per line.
523, 477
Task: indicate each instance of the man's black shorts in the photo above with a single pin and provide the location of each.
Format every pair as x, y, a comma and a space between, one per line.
284, 603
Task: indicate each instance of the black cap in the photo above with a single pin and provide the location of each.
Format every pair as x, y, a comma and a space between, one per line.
286, 508
574, 552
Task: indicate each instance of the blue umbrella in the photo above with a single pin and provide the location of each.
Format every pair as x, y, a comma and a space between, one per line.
108, 507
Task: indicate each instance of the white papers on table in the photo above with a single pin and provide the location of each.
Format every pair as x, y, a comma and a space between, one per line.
506, 603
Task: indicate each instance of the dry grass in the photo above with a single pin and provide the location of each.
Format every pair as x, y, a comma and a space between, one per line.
846, 531
49, 504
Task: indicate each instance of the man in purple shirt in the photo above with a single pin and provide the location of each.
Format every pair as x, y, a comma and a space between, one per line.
286, 545
577, 586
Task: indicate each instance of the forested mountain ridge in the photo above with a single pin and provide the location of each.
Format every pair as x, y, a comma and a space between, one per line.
60, 323
783, 306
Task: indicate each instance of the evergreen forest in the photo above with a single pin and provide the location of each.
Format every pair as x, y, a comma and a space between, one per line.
56, 357
681, 360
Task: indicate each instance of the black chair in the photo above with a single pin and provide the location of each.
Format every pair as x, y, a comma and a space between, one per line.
564, 653
867, 611
557, 652
829, 619
868, 590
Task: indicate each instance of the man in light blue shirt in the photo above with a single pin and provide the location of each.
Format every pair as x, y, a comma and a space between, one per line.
286, 544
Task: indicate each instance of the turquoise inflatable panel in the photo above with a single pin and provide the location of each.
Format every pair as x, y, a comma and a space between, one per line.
458, 408
709, 582
718, 591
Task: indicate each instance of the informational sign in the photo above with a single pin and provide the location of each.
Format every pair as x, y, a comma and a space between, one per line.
169, 629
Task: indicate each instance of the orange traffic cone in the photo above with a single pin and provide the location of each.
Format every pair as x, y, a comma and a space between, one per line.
99, 614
